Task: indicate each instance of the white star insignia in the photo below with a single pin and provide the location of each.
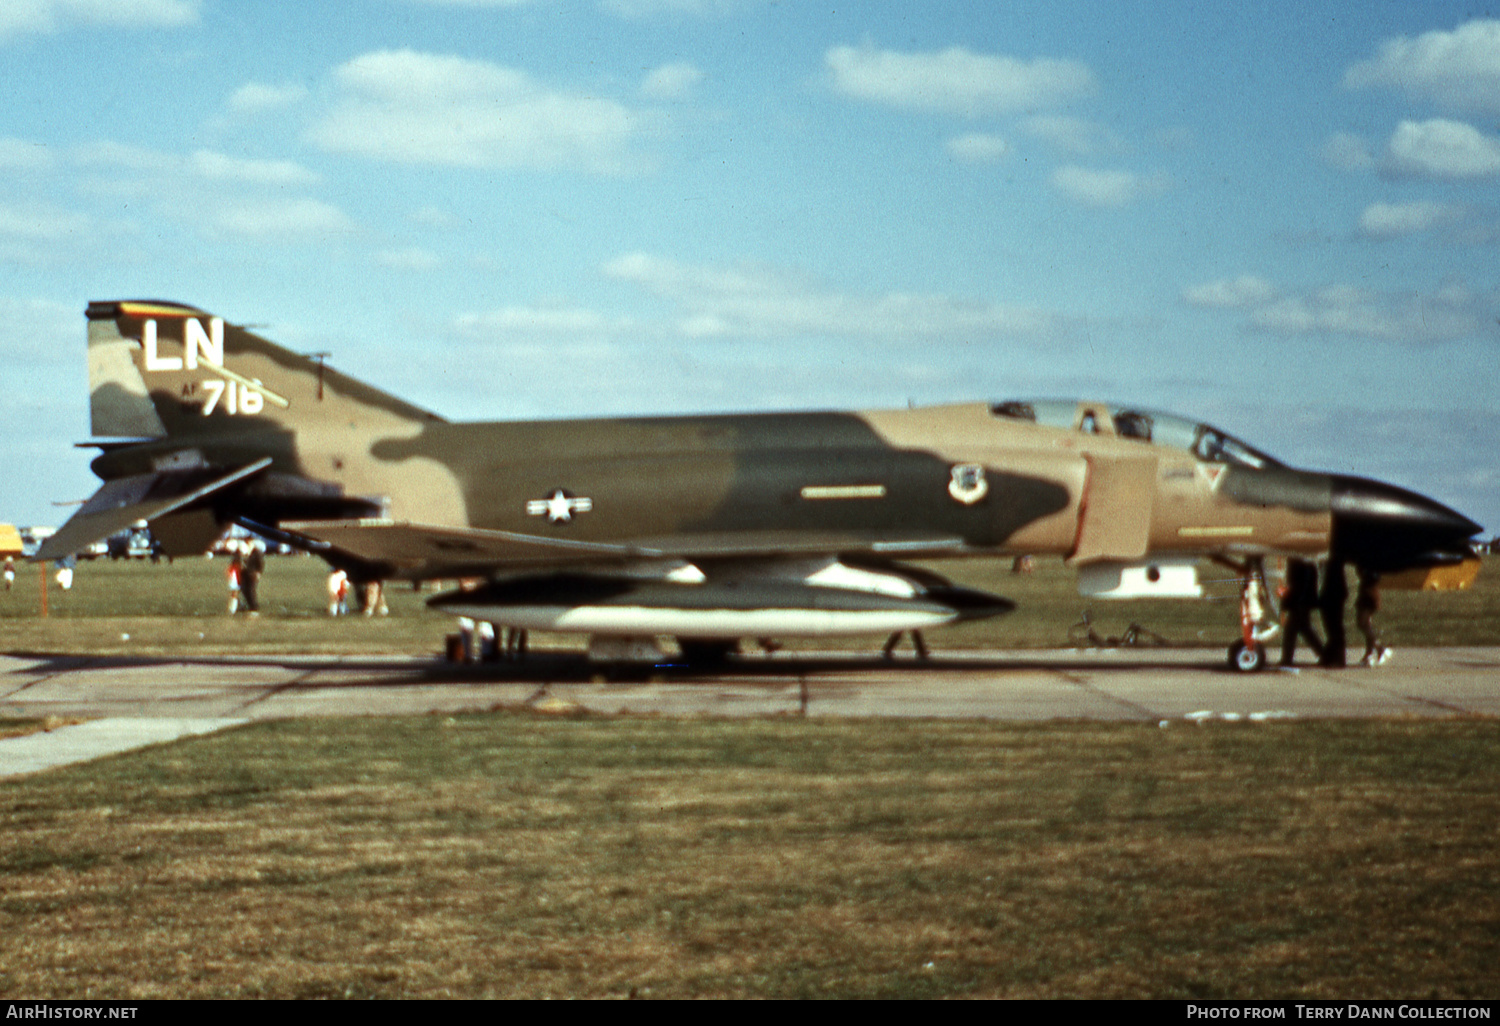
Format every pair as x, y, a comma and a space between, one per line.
559, 507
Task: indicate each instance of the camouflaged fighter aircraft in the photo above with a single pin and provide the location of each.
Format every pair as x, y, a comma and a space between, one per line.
705, 528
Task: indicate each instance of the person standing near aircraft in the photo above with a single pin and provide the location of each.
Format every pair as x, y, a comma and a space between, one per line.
1298, 599
1331, 605
889, 651
372, 598
254, 566
338, 593
1366, 605
10, 572
233, 575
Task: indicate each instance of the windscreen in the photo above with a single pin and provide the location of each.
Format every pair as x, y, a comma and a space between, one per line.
1202, 440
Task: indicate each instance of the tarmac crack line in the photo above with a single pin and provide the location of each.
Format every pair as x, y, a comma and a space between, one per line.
44, 678
1082, 683
1414, 699
1434, 702
277, 689
30, 683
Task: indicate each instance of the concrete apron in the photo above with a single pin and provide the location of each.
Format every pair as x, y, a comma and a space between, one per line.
82, 742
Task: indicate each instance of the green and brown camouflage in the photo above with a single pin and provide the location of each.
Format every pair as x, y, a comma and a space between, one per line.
203, 423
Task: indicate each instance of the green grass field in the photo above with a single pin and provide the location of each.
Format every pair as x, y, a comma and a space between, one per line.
520, 855
138, 607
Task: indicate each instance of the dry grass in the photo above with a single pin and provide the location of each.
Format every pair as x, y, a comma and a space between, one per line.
505, 855
517, 856
22, 727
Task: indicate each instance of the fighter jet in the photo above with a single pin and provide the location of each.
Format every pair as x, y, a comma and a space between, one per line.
709, 529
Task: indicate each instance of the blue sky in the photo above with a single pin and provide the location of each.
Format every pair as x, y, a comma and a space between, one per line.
1282, 218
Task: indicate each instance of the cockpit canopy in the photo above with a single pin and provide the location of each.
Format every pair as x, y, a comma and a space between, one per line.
1202, 440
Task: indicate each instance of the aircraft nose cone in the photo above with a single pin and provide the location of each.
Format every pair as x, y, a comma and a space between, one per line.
1386, 528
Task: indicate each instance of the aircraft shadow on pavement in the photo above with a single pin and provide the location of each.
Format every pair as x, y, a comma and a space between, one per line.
564, 667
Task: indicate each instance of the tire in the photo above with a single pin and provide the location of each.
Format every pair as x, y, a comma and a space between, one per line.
1247, 659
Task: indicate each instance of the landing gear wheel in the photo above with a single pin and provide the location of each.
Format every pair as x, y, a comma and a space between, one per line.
1247, 658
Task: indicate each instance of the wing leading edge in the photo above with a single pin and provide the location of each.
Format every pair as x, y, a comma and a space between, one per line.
477, 551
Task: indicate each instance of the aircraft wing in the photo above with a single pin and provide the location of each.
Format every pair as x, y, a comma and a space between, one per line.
126, 500
455, 548
476, 550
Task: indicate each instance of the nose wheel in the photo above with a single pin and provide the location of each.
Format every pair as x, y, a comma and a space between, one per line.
1249, 658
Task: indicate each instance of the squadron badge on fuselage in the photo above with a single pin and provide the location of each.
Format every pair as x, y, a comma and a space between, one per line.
968, 484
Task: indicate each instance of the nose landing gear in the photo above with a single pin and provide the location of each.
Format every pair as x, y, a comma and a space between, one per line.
1248, 654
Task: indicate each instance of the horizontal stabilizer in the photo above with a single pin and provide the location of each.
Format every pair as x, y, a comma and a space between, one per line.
126, 500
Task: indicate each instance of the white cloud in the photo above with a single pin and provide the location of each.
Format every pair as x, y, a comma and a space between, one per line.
759, 301
1459, 68
1348, 152
956, 81
1097, 188
204, 165
260, 172
18, 17
40, 223
471, 3
1451, 312
531, 321
33, 327
1440, 148
1069, 134
20, 155
1392, 220
419, 108
39, 234
671, 82
1230, 293
637, 9
978, 148
436, 217
281, 219
214, 192
1345, 310
413, 258
125, 157
257, 97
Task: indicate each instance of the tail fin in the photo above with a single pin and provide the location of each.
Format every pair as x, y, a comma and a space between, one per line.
159, 369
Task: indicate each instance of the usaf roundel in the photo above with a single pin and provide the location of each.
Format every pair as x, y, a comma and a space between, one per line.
560, 506
968, 484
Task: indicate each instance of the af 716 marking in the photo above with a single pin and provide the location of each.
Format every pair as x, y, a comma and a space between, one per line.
239, 395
